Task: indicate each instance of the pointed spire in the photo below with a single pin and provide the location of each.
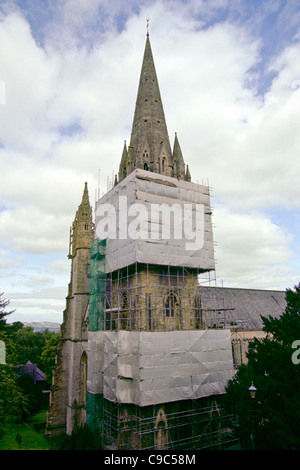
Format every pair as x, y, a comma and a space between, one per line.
123, 163
187, 174
84, 211
149, 127
149, 117
149, 146
82, 230
85, 197
179, 170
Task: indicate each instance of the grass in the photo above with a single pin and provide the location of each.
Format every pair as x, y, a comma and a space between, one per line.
31, 432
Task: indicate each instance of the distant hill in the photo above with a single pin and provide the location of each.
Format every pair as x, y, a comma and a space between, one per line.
43, 325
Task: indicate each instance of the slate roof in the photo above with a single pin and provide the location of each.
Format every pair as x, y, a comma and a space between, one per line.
32, 370
244, 306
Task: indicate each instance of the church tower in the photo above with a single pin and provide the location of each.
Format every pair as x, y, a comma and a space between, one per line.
149, 351
68, 392
164, 266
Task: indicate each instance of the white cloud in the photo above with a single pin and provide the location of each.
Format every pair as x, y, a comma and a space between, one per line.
30, 230
37, 309
253, 157
251, 249
9, 262
24, 117
60, 266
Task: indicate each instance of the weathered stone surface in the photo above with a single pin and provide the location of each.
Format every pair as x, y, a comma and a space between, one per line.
68, 397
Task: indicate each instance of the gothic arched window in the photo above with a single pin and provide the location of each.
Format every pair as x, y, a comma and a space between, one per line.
171, 305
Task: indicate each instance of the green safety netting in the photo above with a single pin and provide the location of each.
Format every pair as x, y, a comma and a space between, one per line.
97, 285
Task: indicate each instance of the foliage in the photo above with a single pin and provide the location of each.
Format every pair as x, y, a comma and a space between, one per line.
19, 395
29, 345
272, 419
48, 356
12, 400
23, 344
32, 393
3, 313
82, 438
6, 331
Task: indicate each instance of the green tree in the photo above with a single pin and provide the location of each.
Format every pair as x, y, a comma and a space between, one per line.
29, 345
82, 438
32, 393
48, 355
272, 419
3, 313
12, 400
7, 331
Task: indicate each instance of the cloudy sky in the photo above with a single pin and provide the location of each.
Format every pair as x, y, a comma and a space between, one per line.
229, 75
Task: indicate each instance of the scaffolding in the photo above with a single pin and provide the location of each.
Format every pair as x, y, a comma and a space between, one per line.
143, 297
156, 298
152, 298
97, 280
190, 425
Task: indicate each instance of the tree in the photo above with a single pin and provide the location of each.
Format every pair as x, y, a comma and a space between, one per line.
34, 395
3, 313
82, 438
272, 419
6, 330
48, 355
12, 400
29, 346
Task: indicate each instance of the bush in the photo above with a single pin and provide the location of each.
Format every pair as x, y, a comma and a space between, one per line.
82, 438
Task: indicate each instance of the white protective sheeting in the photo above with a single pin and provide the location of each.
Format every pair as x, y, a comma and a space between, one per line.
147, 368
95, 361
149, 189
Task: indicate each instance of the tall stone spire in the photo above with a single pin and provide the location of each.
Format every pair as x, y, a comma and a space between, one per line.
67, 401
149, 146
82, 228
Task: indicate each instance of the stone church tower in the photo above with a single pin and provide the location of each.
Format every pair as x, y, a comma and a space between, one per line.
151, 368
68, 394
